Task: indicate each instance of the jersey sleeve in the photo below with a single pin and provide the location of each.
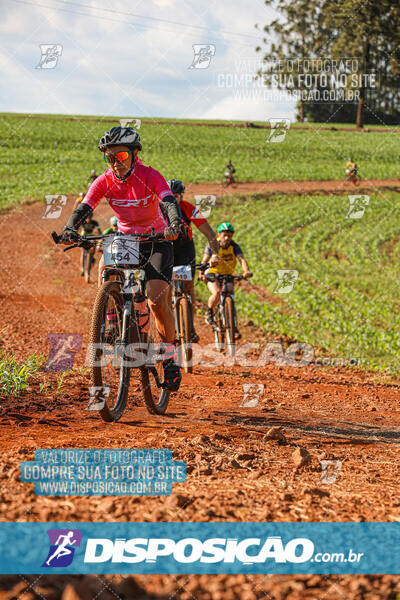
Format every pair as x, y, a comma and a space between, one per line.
96, 192
207, 250
237, 249
192, 213
158, 185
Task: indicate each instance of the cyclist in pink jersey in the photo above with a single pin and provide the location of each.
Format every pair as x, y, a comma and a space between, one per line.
134, 193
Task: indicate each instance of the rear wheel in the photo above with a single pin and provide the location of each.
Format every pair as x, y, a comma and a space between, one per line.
109, 377
152, 375
185, 335
229, 310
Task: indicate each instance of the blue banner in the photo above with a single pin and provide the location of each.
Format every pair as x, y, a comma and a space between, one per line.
209, 548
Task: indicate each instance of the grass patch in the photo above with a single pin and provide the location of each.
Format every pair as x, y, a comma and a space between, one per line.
347, 296
14, 375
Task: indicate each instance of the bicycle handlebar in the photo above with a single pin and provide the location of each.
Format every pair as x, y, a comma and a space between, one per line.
220, 277
88, 241
202, 266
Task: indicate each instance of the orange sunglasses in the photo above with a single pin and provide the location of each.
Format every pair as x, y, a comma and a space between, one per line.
119, 156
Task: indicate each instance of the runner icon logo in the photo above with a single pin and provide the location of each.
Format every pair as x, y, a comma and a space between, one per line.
252, 393
54, 207
98, 395
63, 348
329, 471
204, 204
50, 54
135, 123
279, 129
357, 205
62, 547
286, 280
203, 54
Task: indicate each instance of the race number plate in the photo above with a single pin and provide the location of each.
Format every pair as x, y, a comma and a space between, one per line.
183, 273
120, 250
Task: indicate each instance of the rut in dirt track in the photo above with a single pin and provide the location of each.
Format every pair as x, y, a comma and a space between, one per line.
235, 470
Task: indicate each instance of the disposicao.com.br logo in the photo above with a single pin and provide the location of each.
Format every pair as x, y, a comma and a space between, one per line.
190, 550
163, 552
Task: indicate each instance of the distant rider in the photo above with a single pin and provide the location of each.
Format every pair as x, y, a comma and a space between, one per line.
184, 250
229, 252
113, 226
351, 167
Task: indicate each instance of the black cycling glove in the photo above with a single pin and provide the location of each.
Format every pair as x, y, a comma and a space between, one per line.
69, 235
79, 216
172, 211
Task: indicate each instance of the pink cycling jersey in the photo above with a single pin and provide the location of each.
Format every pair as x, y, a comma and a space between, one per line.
135, 202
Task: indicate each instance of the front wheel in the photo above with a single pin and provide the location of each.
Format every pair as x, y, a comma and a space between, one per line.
109, 376
155, 396
229, 311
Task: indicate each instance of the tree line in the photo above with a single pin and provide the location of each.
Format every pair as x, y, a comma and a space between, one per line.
339, 58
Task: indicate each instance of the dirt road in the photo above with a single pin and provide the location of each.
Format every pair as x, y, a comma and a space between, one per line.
235, 473
271, 188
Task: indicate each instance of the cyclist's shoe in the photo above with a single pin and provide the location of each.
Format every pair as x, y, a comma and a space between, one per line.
210, 317
195, 338
238, 335
82, 272
172, 375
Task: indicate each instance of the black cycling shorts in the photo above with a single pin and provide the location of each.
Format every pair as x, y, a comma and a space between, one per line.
185, 254
161, 261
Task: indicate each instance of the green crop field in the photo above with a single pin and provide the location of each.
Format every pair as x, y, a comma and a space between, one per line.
55, 155
346, 300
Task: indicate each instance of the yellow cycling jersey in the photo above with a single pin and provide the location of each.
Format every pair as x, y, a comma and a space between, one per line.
227, 258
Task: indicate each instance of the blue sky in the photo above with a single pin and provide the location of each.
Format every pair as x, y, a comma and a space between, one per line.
115, 61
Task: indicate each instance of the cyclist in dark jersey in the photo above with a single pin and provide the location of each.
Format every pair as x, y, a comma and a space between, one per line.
87, 228
229, 171
184, 250
93, 176
230, 167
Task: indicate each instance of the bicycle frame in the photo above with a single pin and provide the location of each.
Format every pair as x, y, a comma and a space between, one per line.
131, 297
225, 279
129, 292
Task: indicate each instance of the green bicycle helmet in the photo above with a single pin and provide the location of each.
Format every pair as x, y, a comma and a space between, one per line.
226, 227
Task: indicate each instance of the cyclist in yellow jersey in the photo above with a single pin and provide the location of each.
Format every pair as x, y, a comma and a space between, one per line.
229, 252
351, 166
